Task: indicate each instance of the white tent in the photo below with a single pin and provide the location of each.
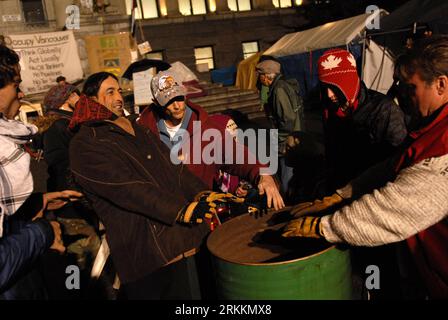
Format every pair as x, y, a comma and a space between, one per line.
377, 70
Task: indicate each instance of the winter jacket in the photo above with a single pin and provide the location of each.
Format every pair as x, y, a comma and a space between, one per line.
369, 135
22, 244
285, 107
137, 193
56, 142
205, 172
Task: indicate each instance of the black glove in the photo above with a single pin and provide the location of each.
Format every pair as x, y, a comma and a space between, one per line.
256, 203
196, 212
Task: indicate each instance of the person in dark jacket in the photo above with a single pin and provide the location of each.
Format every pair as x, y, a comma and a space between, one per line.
171, 113
144, 201
362, 127
285, 107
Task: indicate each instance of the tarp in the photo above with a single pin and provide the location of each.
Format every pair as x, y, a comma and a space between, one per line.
420, 11
331, 34
298, 52
44, 57
246, 77
396, 27
379, 68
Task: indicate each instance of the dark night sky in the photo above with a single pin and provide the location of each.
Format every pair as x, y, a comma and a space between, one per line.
318, 14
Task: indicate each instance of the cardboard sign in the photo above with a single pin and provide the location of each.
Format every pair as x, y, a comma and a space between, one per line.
111, 52
142, 87
144, 48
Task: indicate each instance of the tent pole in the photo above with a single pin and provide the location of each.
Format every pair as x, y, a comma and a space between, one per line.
374, 34
363, 53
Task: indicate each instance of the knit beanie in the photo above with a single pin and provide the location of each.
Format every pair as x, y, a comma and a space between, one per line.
337, 67
57, 96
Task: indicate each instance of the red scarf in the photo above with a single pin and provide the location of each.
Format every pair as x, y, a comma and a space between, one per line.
87, 109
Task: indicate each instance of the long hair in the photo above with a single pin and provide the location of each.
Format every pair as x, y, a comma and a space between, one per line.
94, 81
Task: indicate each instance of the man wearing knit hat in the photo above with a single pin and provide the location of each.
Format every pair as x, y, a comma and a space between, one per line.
61, 96
285, 108
362, 127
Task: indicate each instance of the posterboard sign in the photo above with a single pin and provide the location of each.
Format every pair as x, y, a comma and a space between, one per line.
110, 53
142, 87
44, 57
144, 48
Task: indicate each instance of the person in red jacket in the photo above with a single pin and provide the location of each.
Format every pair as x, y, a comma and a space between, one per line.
171, 114
404, 197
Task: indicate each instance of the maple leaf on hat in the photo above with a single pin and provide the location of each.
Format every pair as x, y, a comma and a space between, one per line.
352, 60
331, 62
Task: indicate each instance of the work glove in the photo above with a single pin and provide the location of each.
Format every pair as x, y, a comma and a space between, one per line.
211, 196
196, 211
316, 206
308, 227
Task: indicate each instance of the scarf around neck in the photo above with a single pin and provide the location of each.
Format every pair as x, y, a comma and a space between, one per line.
16, 182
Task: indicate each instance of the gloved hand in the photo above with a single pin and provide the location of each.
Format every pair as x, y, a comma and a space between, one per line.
308, 227
196, 211
211, 196
256, 203
316, 206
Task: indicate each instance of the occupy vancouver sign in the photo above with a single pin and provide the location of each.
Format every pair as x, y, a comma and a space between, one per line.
44, 57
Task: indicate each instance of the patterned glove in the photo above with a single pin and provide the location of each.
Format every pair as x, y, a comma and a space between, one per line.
307, 227
211, 196
196, 212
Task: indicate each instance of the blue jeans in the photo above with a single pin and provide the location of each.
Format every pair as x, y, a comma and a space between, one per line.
285, 175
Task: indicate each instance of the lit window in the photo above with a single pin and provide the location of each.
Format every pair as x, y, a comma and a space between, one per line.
155, 55
282, 3
239, 5
189, 7
250, 48
204, 55
147, 7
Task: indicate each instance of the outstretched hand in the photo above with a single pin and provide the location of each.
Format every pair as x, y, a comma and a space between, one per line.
58, 199
268, 186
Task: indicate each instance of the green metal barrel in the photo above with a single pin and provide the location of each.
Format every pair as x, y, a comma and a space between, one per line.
252, 261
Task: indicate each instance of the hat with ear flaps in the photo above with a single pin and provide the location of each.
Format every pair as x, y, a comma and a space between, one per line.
337, 67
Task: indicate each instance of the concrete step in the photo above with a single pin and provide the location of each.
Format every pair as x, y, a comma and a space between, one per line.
217, 90
228, 101
243, 106
221, 96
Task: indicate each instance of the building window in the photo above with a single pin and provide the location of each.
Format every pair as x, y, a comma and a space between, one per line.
239, 5
145, 8
250, 48
189, 7
204, 55
156, 55
282, 3
33, 11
